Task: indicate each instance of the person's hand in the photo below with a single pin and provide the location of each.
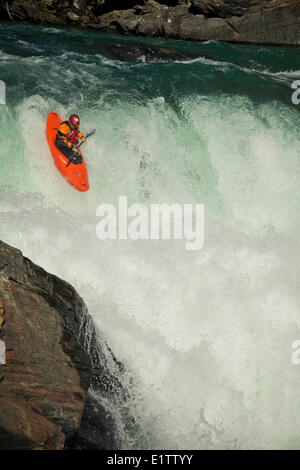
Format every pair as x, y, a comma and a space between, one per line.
83, 139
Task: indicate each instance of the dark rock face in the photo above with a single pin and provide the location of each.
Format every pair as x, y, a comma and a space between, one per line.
98, 427
137, 52
245, 21
96, 431
221, 8
56, 370
263, 22
171, 3
104, 6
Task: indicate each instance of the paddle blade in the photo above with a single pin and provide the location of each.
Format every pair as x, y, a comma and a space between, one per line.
90, 133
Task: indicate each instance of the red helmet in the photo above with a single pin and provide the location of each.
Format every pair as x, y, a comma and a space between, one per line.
74, 119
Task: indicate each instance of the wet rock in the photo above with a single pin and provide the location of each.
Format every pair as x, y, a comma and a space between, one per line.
169, 3
56, 367
47, 372
134, 52
104, 6
97, 431
72, 16
2, 314
222, 8
80, 5
244, 21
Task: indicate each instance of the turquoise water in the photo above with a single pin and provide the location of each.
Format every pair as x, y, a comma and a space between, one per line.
205, 336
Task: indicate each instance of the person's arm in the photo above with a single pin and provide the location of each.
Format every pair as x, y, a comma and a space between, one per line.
81, 136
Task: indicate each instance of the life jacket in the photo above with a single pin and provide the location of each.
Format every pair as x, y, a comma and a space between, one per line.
72, 136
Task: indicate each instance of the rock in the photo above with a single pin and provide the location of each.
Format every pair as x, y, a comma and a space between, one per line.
127, 22
98, 428
257, 26
56, 367
245, 21
108, 21
80, 4
50, 3
169, 3
95, 431
222, 8
2, 344
200, 28
28, 10
276, 23
148, 7
72, 16
2, 313
60, 5
136, 51
152, 24
105, 6
48, 373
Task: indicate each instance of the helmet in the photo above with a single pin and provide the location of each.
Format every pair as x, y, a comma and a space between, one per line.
74, 119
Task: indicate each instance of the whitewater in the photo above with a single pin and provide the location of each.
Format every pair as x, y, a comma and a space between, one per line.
205, 336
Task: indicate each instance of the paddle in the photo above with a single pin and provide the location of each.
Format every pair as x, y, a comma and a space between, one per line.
89, 134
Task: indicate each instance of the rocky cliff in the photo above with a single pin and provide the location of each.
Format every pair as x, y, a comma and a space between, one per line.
244, 21
55, 371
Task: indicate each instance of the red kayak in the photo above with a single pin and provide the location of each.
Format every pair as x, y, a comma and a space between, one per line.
76, 175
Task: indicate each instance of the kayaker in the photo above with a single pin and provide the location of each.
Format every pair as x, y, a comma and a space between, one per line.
67, 137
